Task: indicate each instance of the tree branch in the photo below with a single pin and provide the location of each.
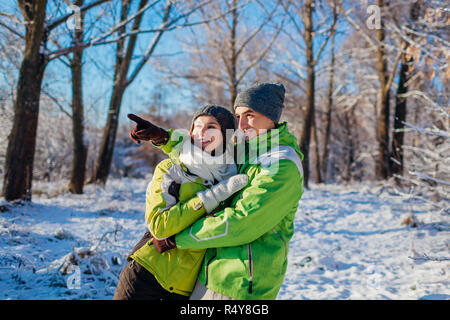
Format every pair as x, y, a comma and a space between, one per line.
358, 28
254, 33
330, 33
261, 56
53, 24
13, 18
100, 40
125, 22
60, 106
151, 47
12, 30
391, 76
299, 30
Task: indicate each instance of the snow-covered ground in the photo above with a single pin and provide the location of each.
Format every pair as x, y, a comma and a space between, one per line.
349, 243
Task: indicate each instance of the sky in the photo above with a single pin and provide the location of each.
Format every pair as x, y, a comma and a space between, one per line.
99, 64
99, 67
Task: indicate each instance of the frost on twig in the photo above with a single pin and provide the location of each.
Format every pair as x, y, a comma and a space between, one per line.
424, 256
90, 259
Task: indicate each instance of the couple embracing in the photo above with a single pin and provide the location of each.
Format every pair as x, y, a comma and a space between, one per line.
220, 212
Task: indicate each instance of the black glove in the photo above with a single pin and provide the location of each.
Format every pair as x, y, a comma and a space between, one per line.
145, 130
165, 244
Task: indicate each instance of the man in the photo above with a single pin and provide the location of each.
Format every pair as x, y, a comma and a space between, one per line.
247, 241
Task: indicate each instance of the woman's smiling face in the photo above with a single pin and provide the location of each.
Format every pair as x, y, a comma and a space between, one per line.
206, 133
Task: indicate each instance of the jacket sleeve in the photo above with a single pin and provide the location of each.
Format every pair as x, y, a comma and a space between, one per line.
272, 194
164, 215
174, 146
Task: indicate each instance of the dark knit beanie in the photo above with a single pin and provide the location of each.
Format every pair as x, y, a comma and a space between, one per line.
265, 98
224, 117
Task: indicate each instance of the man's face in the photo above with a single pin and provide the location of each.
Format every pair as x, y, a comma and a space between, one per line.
252, 123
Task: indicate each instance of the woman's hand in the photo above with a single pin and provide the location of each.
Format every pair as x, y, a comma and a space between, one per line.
164, 244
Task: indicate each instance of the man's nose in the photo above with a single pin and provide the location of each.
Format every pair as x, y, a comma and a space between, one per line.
243, 124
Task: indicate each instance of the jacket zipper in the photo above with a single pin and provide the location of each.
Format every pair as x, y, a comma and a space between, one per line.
207, 265
284, 242
250, 268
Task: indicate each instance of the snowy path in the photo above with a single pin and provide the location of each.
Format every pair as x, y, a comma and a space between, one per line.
349, 243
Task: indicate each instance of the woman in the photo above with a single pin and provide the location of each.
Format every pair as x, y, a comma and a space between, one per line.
183, 188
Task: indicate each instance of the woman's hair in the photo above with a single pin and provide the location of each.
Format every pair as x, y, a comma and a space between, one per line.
224, 117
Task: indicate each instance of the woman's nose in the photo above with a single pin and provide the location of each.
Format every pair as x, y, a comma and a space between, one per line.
203, 131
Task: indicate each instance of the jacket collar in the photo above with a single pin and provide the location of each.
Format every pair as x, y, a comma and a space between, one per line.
249, 150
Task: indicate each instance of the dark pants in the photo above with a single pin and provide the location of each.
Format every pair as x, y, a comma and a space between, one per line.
137, 283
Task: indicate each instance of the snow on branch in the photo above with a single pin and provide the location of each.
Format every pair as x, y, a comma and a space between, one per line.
424, 176
433, 132
422, 96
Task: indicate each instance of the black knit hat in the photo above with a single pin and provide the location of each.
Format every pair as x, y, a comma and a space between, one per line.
224, 117
265, 98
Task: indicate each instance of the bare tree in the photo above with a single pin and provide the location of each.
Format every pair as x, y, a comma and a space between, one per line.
405, 74
22, 141
224, 52
426, 126
382, 165
20, 152
122, 76
326, 142
124, 55
303, 16
388, 54
80, 148
38, 42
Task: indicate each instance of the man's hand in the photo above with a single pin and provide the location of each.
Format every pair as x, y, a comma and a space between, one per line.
145, 130
164, 244
212, 197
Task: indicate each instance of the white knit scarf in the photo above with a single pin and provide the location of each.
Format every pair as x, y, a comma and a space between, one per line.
206, 166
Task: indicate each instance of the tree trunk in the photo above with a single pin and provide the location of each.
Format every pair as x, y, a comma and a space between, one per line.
400, 102
382, 164
350, 146
319, 178
328, 114
399, 119
22, 139
305, 135
233, 60
104, 159
80, 149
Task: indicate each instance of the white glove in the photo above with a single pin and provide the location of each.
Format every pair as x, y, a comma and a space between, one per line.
212, 197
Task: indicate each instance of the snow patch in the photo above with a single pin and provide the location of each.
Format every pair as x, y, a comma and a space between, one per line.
349, 243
